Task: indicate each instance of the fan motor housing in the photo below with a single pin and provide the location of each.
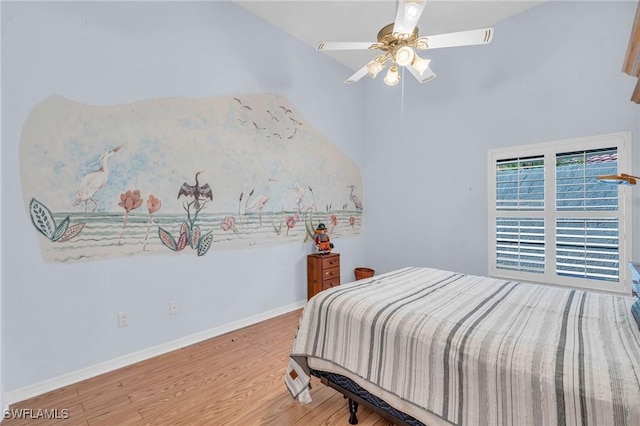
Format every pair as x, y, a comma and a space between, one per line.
388, 39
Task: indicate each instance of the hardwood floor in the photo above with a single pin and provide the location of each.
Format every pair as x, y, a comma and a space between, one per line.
233, 379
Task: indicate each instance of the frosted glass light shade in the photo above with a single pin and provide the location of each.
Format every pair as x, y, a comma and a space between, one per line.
412, 10
420, 64
404, 56
374, 67
392, 78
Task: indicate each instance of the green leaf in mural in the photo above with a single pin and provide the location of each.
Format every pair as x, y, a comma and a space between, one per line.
71, 232
308, 224
277, 229
61, 229
205, 243
42, 218
167, 239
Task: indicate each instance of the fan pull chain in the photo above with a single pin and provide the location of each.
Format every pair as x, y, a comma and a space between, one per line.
402, 102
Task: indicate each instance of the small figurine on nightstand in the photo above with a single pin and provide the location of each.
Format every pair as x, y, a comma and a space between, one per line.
322, 239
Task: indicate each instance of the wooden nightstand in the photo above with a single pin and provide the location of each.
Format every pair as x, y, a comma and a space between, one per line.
323, 272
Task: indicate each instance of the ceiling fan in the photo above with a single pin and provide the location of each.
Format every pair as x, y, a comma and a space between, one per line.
397, 41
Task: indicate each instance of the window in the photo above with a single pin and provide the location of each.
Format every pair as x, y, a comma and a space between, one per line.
550, 221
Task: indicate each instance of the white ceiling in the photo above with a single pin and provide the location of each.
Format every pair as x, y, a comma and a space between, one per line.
332, 20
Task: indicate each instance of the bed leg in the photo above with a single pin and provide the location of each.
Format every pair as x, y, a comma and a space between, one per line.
353, 408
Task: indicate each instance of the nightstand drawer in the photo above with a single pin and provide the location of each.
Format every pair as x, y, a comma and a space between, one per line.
333, 282
330, 273
331, 262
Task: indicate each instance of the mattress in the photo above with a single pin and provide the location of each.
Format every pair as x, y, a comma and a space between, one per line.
474, 350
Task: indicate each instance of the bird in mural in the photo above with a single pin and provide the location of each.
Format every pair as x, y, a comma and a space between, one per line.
259, 202
299, 195
286, 110
295, 121
258, 128
243, 105
94, 181
272, 116
198, 192
354, 198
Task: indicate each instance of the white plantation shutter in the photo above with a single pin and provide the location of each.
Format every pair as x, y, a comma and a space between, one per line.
587, 248
520, 184
520, 244
576, 184
551, 221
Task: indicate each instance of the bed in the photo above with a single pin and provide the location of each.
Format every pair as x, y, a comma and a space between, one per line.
436, 347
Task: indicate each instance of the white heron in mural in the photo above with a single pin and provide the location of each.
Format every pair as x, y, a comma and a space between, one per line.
354, 198
94, 181
259, 202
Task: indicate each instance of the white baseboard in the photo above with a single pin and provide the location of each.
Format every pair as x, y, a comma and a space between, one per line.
48, 385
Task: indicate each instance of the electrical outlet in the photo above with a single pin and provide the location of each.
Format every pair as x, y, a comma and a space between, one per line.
173, 307
123, 319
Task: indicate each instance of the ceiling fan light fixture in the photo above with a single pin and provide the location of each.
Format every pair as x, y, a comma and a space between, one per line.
404, 56
374, 67
399, 41
413, 10
393, 77
419, 64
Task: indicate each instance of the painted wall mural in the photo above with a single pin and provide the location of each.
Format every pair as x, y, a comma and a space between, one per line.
181, 175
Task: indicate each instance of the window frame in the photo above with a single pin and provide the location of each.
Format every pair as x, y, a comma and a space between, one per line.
620, 141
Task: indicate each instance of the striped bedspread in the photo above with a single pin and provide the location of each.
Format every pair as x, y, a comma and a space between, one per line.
480, 351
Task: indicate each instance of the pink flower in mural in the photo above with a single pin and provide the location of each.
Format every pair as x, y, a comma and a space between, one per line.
333, 219
352, 222
153, 205
130, 200
291, 222
229, 223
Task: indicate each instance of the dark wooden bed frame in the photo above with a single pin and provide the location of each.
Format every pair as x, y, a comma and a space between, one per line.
359, 396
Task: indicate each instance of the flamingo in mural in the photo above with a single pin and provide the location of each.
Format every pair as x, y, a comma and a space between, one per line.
259, 202
355, 199
299, 195
94, 181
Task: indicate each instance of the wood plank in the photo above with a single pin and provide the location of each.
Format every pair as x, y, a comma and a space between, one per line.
233, 379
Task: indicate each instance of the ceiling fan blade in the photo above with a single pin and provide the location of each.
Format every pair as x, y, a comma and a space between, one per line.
462, 38
426, 75
357, 75
346, 45
407, 15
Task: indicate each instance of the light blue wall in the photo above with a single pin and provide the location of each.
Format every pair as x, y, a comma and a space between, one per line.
61, 318
551, 73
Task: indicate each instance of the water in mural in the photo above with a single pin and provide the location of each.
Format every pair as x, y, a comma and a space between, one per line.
103, 234
181, 175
